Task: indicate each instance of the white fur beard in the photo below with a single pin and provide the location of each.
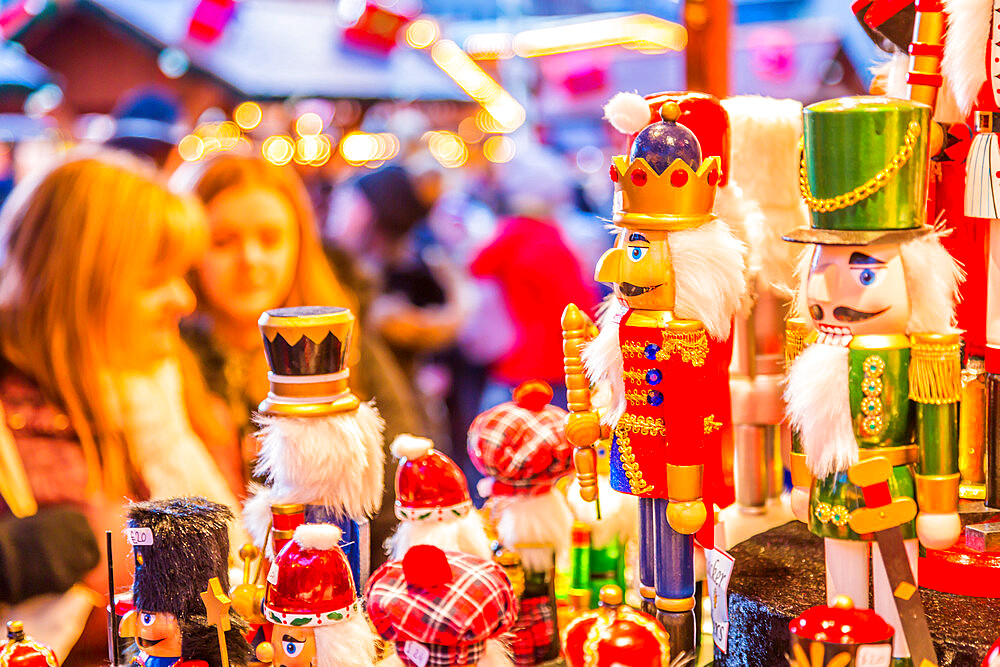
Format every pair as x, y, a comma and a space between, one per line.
337, 461
465, 535
602, 358
257, 517
817, 396
543, 519
967, 38
350, 643
619, 513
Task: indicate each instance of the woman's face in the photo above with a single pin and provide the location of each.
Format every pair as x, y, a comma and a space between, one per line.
153, 314
252, 255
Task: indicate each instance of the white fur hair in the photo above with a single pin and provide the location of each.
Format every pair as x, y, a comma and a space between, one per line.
968, 36
602, 358
497, 654
628, 112
410, 446
892, 71
745, 219
541, 519
257, 517
817, 397
619, 513
337, 461
466, 535
350, 643
765, 165
317, 536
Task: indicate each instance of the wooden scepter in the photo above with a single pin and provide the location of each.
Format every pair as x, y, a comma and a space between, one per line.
583, 426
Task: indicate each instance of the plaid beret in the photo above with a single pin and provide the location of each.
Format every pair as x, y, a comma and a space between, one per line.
522, 444
451, 621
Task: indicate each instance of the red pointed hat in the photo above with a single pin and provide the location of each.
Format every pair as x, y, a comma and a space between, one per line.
522, 444
23, 651
310, 583
429, 485
615, 634
448, 603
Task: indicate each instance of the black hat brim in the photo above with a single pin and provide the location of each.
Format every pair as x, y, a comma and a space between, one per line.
855, 236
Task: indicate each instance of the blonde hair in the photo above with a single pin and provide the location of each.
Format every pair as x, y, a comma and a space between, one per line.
76, 240
315, 283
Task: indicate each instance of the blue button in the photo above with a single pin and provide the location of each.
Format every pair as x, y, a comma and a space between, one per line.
653, 376
654, 398
651, 351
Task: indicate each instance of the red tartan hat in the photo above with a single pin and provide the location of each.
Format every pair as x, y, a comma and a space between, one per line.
448, 603
310, 582
429, 486
522, 444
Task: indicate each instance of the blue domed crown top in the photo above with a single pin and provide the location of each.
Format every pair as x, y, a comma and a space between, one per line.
665, 141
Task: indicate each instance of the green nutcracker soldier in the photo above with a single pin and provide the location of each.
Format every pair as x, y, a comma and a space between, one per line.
873, 396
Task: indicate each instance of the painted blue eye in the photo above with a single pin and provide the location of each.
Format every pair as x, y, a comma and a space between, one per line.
292, 649
866, 277
147, 618
635, 253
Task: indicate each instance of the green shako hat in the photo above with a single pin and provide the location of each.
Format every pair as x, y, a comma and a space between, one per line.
864, 171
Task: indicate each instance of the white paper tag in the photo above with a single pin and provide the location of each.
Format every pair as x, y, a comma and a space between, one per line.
139, 537
874, 655
718, 568
272, 574
417, 653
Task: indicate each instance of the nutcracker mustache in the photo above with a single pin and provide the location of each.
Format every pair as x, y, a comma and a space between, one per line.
628, 289
845, 314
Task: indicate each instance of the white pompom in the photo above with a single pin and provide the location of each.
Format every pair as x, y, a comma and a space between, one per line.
628, 112
318, 536
411, 446
484, 487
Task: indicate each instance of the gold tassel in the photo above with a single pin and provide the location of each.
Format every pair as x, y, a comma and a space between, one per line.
935, 369
796, 331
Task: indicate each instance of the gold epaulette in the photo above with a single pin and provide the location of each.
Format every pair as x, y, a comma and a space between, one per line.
688, 338
935, 368
796, 332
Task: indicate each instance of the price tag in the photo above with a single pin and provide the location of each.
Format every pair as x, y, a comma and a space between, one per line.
272, 574
719, 567
874, 655
416, 652
139, 537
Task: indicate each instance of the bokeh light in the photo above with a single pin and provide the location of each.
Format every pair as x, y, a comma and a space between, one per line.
309, 124
278, 149
422, 33
447, 148
191, 148
248, 115
499, 149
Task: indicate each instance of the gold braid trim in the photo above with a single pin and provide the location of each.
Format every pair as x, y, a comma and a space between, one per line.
646, 426
796, 331
630, 350
691, 345
635, 377
935, 369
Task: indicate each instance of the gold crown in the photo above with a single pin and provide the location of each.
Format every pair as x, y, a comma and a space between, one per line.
679, 198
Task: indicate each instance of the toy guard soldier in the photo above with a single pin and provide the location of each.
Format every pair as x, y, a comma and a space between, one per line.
614, 635
521, 445
22, 651
178, 546
442, 608
880, 384
679, 273
840, 636
321, 449
433, 503
311, 600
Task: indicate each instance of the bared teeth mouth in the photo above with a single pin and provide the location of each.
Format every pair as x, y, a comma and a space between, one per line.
628, 289
832, 330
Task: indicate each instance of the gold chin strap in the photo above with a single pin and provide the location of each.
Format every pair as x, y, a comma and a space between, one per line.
866, 189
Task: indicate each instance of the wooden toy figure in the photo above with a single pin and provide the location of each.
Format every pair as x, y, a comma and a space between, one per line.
679, 274
321, 449
433, 503
522, 446
614, 635
840, 636
22, 651
442, 608
874, 398
312, 602
179, 545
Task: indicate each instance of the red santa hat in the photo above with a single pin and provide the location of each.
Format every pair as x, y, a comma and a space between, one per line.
429, 486
522, 444
310, 583
440, 607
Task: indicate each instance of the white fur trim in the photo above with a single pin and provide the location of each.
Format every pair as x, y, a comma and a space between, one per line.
466, 535
257, 517
318, 536
709, 263
411, 446
602, 358
818, 405
967, 37
314, 620
628, 112
619, 513
347, 644
530, 520
932, 279
337, 461
746, 221
432, 514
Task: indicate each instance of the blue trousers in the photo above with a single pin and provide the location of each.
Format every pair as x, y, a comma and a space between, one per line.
666, 557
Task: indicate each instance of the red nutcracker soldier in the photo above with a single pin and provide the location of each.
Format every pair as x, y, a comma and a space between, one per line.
679, 273
312, 602
442, 608
615, 635
521, 445
433, 503
22, 651
840, 636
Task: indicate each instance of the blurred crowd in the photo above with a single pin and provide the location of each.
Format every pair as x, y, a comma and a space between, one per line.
131, 282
